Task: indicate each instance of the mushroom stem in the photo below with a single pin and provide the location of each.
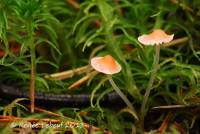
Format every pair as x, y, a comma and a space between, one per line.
121, 94
152, 78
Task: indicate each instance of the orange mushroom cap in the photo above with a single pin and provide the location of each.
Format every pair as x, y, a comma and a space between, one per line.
106, 64
158, 36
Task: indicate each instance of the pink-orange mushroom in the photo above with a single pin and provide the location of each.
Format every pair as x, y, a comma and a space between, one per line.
106, 64
157, 37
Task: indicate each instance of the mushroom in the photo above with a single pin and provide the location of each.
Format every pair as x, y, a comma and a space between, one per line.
157, 37
109, 66
106, 65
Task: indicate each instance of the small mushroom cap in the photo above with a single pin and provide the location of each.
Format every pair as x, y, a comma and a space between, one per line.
158, 36
106, 64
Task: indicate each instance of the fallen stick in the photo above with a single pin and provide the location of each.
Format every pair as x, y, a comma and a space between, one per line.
67, 74
82, 80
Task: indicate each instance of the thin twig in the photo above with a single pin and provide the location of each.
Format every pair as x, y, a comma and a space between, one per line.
175, 42
82, 80
67, 74
179, 128
32, 80
165, 123
46, 111
75, 4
